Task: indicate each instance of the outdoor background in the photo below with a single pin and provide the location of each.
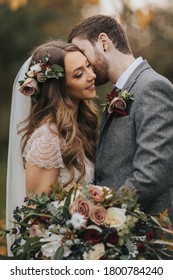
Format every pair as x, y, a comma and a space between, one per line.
26, 23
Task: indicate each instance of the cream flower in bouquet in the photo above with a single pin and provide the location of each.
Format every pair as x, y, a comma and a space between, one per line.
83, 222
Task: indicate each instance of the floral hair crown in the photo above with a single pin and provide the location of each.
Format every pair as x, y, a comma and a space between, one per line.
39, 72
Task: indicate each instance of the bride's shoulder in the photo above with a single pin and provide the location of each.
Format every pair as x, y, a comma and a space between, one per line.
46, 132
44, 147
46, 135
46, 129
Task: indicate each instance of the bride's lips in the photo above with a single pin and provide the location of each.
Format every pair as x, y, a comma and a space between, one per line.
91, 87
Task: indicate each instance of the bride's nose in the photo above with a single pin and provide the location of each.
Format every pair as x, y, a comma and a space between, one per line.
91, 74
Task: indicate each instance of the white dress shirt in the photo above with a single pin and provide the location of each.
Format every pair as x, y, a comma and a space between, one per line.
124, 77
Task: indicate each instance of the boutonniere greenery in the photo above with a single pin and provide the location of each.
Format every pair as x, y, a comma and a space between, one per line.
117, 102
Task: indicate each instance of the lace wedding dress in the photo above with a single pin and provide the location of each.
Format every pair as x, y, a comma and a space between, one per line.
43, 149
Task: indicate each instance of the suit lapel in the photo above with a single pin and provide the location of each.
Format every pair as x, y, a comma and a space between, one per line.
128, 86
134, 76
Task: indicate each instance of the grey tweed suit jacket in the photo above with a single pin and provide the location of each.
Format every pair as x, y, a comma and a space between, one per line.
137, 150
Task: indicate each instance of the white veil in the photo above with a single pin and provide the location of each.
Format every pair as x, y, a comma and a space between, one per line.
15, 187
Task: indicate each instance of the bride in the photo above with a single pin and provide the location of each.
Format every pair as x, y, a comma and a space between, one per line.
53, 126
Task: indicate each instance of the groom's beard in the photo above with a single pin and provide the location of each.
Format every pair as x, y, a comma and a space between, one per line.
101, 68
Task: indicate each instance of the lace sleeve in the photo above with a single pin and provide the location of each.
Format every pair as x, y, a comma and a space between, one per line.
43, 149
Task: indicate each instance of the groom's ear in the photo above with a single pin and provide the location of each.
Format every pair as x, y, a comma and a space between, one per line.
104, 41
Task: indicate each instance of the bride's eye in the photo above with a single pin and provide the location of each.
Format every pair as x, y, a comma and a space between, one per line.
78, 76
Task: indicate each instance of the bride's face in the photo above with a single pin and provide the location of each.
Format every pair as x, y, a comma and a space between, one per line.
80, 78
96, 58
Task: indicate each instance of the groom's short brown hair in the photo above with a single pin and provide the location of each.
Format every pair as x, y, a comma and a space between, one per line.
91, 27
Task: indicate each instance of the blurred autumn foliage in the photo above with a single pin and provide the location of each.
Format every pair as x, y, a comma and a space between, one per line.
27, 23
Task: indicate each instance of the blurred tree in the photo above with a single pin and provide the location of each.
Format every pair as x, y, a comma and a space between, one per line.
150, 33
22, 28
14, 4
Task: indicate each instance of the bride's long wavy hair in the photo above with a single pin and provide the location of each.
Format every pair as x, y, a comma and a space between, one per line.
53, 106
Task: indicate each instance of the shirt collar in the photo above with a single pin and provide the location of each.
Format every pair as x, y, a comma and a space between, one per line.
124, 77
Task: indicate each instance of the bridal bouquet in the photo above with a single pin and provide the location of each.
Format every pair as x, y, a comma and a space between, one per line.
88, 223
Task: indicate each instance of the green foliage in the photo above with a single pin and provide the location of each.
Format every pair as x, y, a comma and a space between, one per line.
66, 213
59, 253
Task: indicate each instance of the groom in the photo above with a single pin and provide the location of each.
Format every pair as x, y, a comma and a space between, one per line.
136, 140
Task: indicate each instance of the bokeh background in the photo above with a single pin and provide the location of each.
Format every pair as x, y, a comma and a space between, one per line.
26, 23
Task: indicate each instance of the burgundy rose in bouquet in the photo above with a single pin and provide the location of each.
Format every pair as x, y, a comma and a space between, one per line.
89, 223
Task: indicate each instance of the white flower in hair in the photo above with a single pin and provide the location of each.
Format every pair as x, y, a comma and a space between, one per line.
36, 67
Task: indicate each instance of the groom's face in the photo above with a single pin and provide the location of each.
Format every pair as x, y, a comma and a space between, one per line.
96, 59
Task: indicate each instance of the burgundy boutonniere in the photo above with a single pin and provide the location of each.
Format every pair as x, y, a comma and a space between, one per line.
117, 102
